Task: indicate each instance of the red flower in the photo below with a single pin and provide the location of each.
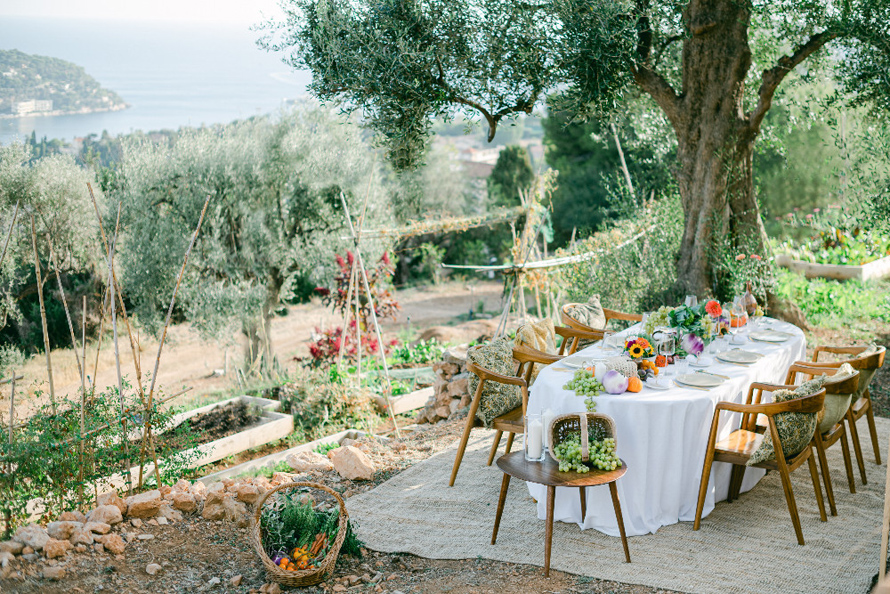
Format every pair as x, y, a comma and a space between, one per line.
809, 217
349, 257
755, 257
340, 261
385, 258
740, 257
713, 308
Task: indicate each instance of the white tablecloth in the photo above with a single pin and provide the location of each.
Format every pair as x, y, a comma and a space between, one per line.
662, 437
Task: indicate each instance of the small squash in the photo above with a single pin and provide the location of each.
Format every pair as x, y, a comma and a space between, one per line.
634, 384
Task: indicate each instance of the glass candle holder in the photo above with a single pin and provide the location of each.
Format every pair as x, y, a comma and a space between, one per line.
533, 438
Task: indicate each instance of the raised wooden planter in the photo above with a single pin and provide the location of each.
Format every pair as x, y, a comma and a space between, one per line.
878, 269
271, 427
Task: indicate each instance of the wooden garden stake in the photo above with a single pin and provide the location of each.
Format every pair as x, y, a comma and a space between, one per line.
9, 235
117, 355
83, 391
387, 390
358, 325
49, 365
345, 331
52, 258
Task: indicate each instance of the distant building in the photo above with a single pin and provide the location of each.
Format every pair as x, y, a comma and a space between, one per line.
32, 106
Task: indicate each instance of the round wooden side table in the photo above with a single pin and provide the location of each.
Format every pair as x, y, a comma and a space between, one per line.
547, 473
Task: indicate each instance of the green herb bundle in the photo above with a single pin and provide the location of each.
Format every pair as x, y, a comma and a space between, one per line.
289, 522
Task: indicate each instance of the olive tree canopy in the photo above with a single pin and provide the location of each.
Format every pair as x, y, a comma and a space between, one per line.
275, 215
713, 68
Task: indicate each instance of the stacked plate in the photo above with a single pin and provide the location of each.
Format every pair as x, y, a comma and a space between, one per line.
739, 357
699, 380
575, 361
769, 336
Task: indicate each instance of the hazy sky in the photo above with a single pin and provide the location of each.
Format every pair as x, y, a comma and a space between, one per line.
246, 12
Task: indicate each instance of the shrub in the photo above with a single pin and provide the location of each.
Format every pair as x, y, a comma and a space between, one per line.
321, 404
635, 277
828, 302
44, 454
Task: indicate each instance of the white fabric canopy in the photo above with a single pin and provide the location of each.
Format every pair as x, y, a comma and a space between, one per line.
662, 437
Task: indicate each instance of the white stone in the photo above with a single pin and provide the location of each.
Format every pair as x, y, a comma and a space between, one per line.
107, 514
167, 514
97, 527
62, 530
82, 537
309, 461
152, 568
56, 548
144, 505
54, 573
32, 536
184, 501
11, 546
352, 463
112, 498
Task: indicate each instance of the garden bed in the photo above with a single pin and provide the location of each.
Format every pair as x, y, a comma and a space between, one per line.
876, 269
270, 427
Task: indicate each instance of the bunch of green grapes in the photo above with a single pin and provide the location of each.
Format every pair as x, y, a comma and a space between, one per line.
584, 384
602, 455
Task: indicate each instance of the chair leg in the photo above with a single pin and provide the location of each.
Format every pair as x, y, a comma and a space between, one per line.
510, 437
703, 488
814, 474
583, 493
494, 446
792, 505
505, 484
460, 450
613, 490
735, 482
848, 463
857, 447
826, 475
874, 433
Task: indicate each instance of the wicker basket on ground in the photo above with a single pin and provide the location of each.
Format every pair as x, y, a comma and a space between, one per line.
565, 426
311, 575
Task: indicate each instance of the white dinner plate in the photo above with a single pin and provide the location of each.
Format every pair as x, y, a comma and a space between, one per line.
702, 361
699, 380
656, 384
769, 336
574, 362
739, 356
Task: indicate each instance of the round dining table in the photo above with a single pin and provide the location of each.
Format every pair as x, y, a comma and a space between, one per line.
662, 434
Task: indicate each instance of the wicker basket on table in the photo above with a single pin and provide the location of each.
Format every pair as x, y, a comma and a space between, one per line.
304, 577
566, 426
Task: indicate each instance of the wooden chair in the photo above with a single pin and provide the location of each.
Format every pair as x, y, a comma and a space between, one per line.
610, 314
511, 422
742, 443
862, 406
822, 441
572, 337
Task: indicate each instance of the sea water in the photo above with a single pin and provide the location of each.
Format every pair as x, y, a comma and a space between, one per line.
172, 74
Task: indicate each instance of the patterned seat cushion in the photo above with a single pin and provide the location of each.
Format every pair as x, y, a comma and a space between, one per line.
540, 336
496, 399
590, 313
795, 429
836, 405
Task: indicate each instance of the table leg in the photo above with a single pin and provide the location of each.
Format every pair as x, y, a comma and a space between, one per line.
583, 503
548, 530
503, 497
614, 491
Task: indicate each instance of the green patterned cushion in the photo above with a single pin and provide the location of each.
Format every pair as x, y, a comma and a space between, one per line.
795, 429
865, 375
590, 313
497, 399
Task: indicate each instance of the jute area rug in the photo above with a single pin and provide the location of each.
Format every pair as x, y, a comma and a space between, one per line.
745, 546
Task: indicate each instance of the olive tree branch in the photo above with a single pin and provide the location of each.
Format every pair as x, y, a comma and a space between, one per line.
772, 78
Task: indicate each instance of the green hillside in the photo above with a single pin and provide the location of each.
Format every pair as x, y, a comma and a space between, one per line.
25, 78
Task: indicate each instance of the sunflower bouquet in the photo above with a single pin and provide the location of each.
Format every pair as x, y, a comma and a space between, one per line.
638, 347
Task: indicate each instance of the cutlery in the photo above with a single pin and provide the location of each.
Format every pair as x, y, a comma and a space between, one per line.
726, 377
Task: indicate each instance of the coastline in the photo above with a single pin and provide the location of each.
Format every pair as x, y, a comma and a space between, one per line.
59, 112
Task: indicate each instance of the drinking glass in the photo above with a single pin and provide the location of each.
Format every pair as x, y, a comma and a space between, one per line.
533, 438
740, 314
730, 318
691, 300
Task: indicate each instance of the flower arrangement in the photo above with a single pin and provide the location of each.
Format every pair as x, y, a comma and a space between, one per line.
638, 347
713, 308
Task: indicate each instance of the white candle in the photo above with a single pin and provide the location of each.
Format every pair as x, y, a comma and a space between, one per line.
533, 444
547, 417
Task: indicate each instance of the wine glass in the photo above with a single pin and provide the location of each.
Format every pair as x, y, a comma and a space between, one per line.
741, 315
667, 345
691, 301
732, 324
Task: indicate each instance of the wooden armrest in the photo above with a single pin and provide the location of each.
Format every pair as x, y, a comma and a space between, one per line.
485, 374
525, 354
611, 314
806, 404
582, 334
838, 350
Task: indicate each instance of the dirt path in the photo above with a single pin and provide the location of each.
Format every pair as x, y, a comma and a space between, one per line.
187, 360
